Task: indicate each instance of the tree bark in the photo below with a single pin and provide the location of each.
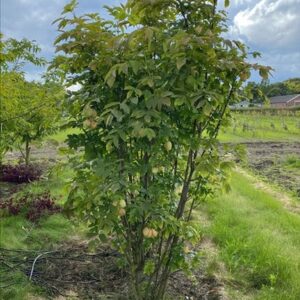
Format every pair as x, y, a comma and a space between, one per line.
27, 152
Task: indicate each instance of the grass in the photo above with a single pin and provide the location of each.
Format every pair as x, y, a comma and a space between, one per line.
62, 135
18, 233
255, 126
259, 241
292, 162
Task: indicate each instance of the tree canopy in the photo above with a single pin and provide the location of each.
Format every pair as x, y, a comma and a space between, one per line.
156, 81
29, 110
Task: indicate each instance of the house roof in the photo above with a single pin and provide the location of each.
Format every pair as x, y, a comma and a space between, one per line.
283, 99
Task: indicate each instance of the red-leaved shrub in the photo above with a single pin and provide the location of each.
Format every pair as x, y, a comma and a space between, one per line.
20, 173
32, 206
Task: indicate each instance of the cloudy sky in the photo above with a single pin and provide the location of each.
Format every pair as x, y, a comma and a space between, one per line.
269, 26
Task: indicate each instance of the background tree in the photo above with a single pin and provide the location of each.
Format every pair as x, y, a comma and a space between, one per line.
265, 89
29, 110
155, 87
41, 104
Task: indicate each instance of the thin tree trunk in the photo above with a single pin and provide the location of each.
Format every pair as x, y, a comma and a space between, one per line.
27, 152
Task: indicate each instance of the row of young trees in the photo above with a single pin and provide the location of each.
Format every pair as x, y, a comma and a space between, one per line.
28, 110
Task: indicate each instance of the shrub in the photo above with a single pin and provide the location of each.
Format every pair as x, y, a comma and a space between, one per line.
151, 102
20, 173
32, 206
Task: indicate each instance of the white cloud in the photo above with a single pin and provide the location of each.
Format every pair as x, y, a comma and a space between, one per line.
74, 88
270, 24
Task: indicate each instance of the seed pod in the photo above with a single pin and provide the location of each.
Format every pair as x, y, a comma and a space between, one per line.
89, 123
147, 232
186, 250
122, 203
89, 112
154, 233
168, 146
121, 212
93, 124
155, 170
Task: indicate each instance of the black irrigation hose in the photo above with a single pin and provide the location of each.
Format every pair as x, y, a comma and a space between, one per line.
35, 265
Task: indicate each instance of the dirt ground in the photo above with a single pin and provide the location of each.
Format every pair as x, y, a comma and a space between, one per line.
45, 152
268, 159
72, 272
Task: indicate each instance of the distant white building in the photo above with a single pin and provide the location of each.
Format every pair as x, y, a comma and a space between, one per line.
242, 104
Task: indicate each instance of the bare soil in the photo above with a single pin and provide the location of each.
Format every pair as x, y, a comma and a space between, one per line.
47, 152
268, 159
72, 272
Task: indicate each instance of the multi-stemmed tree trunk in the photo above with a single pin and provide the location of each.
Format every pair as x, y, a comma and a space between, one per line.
155, 87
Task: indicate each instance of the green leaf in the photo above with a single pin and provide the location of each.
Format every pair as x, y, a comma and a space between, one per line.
149, 267
134, 100
150, 133
111, 76
135, 65
125, 107
227, 3
263, 73
70, 6
179, 101
180, 62
123, 68
207, 108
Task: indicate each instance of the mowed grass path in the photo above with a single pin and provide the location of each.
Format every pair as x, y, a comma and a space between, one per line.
259, 241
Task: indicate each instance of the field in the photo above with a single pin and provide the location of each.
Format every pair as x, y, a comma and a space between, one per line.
250, 236
263, 126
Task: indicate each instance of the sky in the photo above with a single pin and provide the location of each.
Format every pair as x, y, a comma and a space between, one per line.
271, 27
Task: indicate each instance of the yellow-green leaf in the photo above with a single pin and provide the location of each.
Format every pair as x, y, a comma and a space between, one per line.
180, 62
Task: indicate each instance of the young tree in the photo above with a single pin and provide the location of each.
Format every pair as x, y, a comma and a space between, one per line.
14, 54
155, 87
42, 104
29, 110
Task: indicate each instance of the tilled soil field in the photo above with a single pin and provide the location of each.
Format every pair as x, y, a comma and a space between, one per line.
269, 159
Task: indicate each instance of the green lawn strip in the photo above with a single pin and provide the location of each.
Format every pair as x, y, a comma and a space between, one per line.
257, 136
259, 240
62, 135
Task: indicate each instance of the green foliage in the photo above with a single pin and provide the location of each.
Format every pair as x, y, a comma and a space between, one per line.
29, 110
38, 111
293, 85
155, 87
14, 54
258, 90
